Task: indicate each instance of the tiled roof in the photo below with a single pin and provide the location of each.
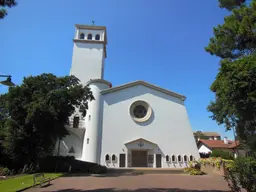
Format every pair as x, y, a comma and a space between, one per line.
210, 134
219, 143
234, 144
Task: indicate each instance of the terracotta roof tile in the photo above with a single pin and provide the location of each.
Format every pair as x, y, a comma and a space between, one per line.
234, 144
218, 143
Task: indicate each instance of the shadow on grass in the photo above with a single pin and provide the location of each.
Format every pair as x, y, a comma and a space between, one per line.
138, 190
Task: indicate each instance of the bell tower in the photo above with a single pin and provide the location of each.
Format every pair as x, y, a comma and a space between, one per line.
89, 52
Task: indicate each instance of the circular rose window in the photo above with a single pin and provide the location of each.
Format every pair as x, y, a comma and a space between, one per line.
140, 111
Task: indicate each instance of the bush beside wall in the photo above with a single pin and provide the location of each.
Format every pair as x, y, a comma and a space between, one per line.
69, 164
223, 154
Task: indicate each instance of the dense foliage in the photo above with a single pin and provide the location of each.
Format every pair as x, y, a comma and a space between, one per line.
194, 168
199, 135
235, 85
242, 173
237, 36
231, 4
223, 154
33, 115
235, 89
6, 3
69, 164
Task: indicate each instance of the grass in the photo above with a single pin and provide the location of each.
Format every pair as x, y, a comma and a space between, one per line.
22, 182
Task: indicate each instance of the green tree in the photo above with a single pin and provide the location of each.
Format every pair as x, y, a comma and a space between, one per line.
235, 85
223, 154
199, 135
6, 3
241, 174
37, 111
231, 4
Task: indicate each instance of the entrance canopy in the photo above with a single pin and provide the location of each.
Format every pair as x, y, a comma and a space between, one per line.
140, 144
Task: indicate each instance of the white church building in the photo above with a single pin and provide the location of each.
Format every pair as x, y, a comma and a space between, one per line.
137, 124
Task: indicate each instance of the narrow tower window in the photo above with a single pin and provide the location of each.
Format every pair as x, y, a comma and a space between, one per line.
167, 158
81, 36
173, 158
179, 158
97, 37
185, 158
107, 158
113, 158
87, 140
191, 158
75, 122
89, 36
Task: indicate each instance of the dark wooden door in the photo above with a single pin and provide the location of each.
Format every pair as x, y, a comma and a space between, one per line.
122, 160
158, 160
139, 159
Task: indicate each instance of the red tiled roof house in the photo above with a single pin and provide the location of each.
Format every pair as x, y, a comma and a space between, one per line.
206, 146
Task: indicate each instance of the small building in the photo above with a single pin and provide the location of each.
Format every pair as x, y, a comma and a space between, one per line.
206, 146
207, 135
233, 147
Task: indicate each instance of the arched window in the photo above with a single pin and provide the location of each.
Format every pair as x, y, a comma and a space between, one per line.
113, 158
89, 36
81, 36
179, 158
107, 158
71, 150
75, 122
185, 158
167, 158
173, 158
191, 158
97, 37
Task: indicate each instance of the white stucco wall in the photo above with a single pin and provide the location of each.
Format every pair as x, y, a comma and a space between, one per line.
204, 149
168, 126
87, 61
93, 122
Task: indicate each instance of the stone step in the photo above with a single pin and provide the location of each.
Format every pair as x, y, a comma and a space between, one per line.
146, 171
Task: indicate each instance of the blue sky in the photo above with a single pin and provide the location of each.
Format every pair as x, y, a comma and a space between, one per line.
158, 41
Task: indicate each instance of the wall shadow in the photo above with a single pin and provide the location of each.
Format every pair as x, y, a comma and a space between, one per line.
139, 190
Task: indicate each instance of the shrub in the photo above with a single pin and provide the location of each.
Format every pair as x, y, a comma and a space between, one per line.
194, 168
98, 169
242, 172
63, 164
213, 161
195, 165
222, 154
4, 171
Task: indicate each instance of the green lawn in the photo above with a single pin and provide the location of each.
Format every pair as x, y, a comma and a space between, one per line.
21, 182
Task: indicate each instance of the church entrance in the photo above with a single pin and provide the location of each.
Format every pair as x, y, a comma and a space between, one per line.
139, 158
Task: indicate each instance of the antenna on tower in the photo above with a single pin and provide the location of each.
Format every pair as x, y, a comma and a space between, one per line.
93, 22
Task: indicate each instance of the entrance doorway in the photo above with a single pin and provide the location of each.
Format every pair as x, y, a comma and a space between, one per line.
158, 160
122, 160
139, 158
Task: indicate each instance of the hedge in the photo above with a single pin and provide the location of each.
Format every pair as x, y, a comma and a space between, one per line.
63, 164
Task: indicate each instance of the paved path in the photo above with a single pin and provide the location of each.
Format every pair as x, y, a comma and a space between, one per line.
138, 183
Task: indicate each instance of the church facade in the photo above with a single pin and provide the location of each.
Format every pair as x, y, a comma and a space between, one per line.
137, 124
